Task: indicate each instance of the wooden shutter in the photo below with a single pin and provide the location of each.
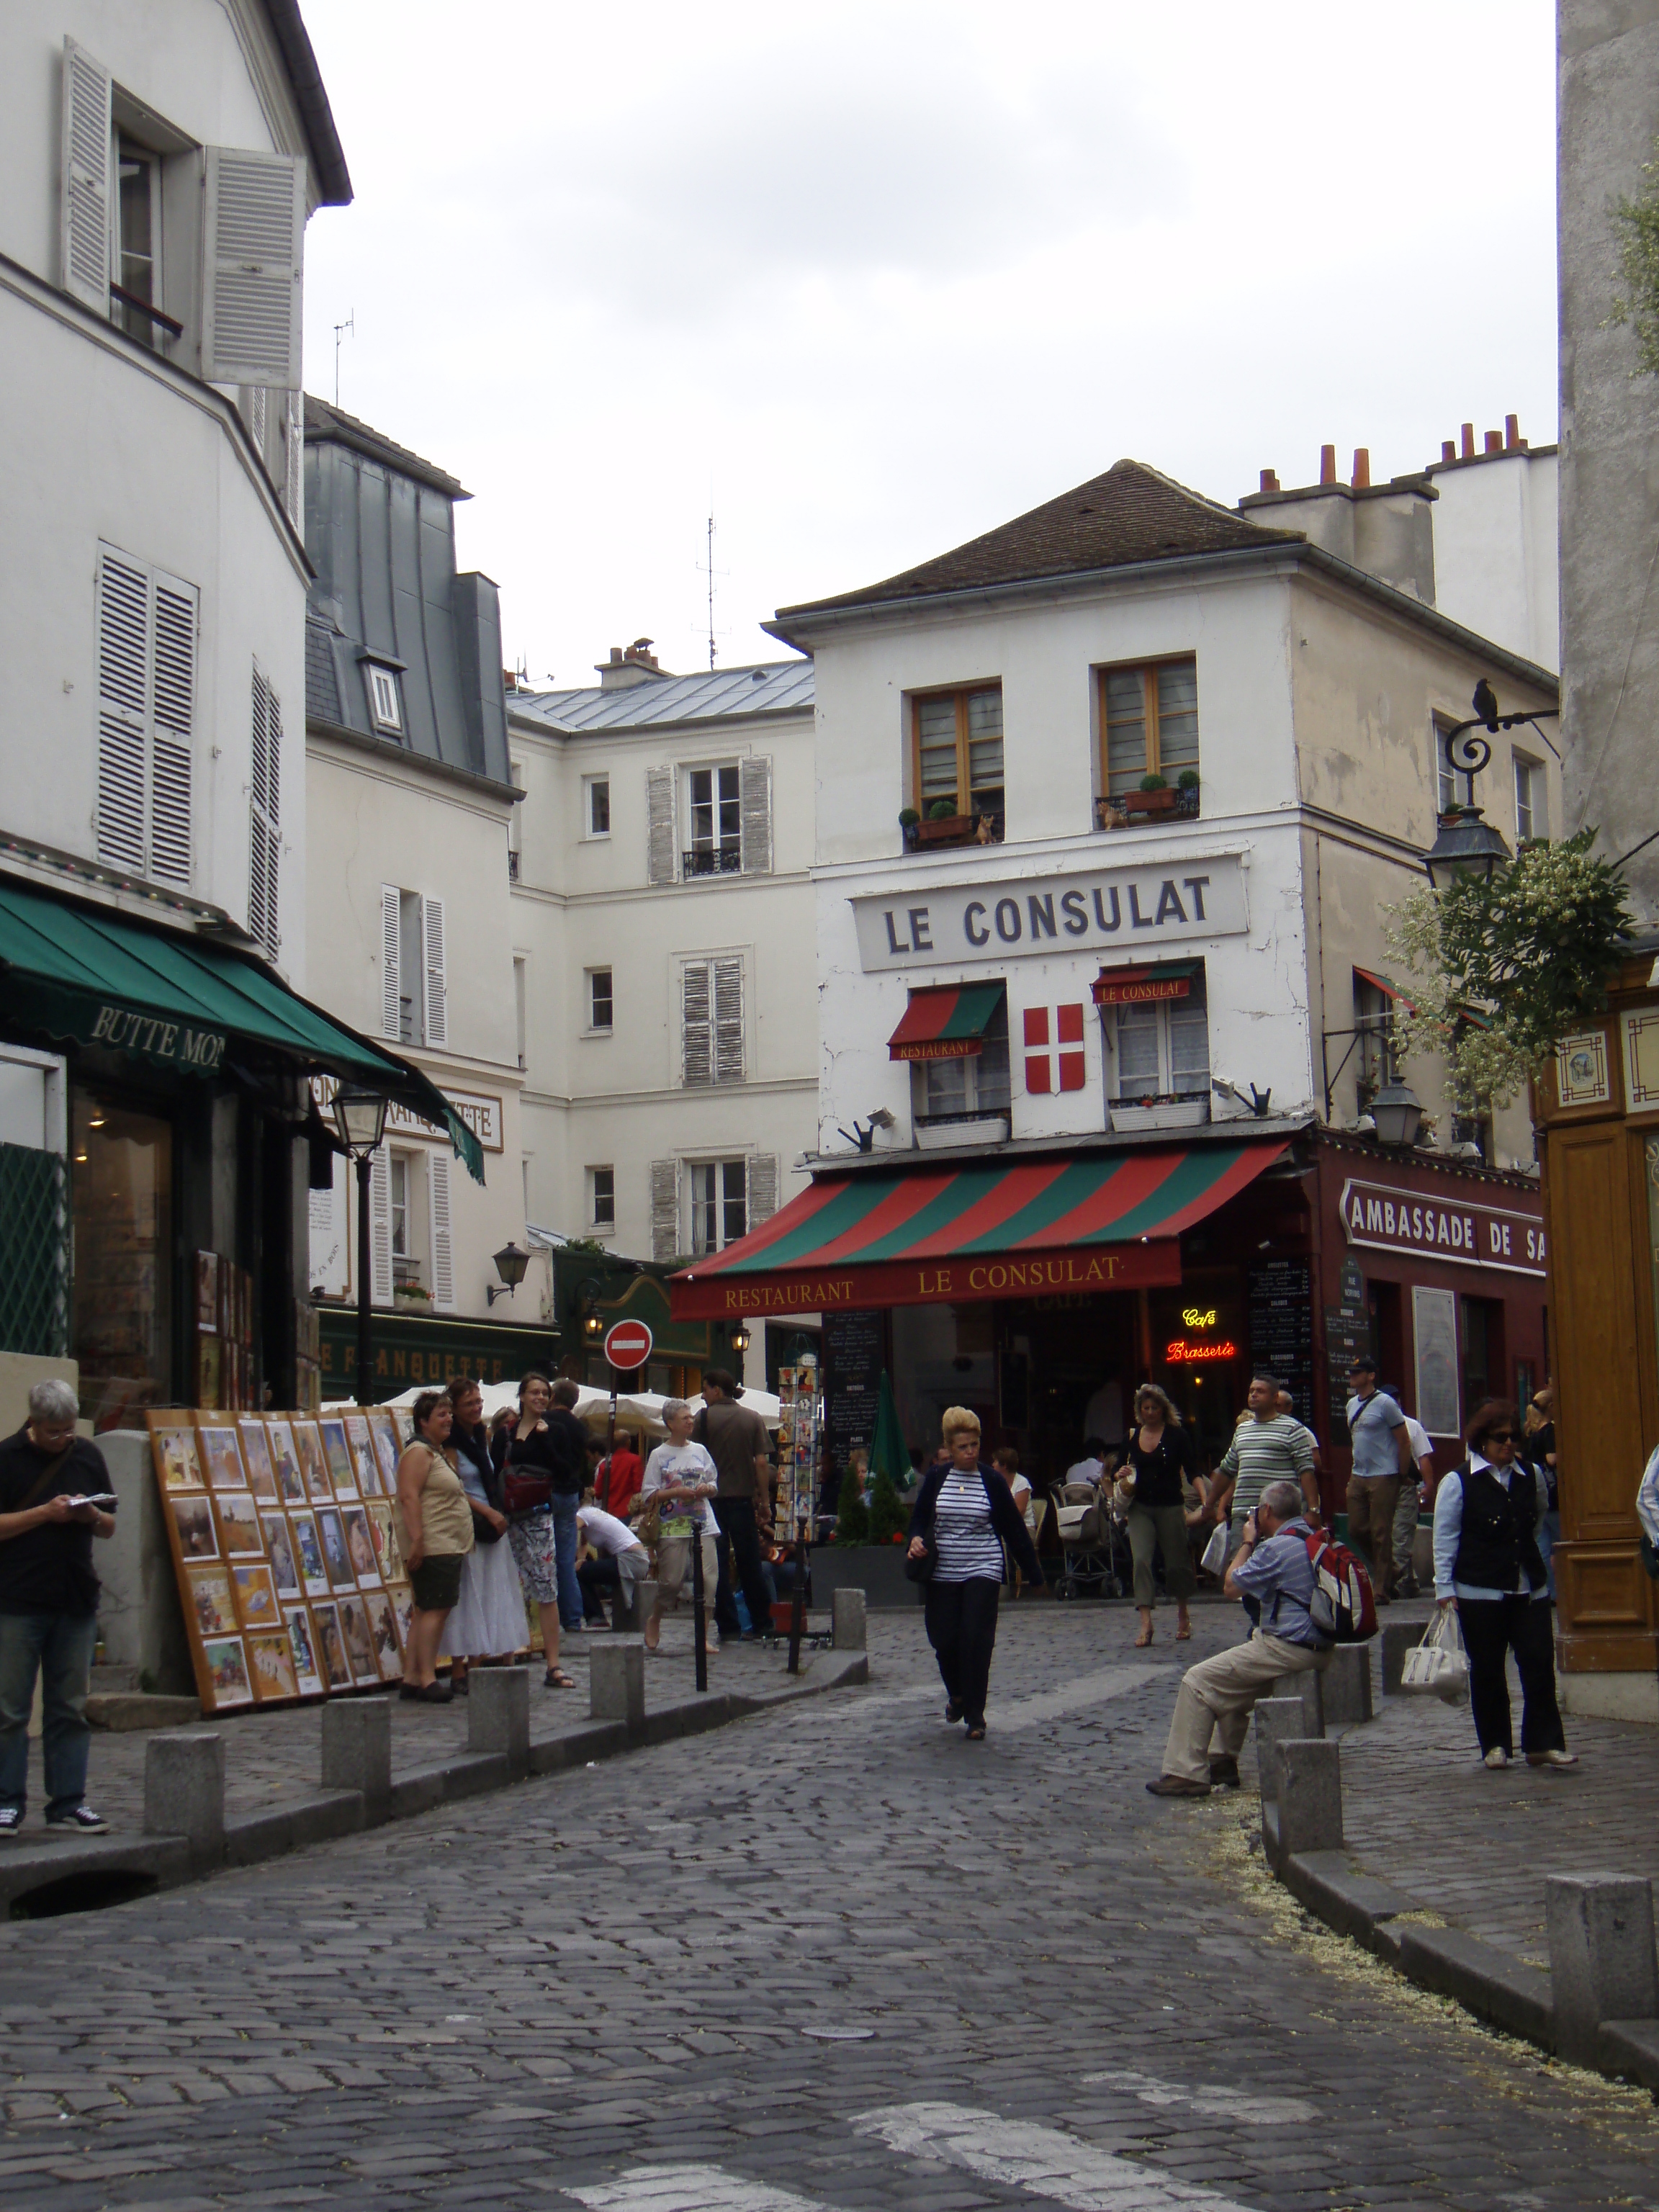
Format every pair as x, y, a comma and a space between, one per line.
431, 950
763, 1188
294, 444
84, 228
390, 1005
171, 758
379, 1227
697, 1024
443, 1247
665, 1209
123, 709
264, 810
728, 1021
660, 867
755, 795
252, 242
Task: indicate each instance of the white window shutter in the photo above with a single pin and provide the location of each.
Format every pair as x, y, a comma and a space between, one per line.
123, 709
443, 1243
293, 440
254, 232
665, 1209
265, 815
763, 1188
755, 798
660, 867
697, 1023
728, 1021
379, 1227
259, 419
391, 1004
84, 231
432, 945
173, 756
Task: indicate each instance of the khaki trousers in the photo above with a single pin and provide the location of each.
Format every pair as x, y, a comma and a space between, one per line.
1220, 1692
1371, 1501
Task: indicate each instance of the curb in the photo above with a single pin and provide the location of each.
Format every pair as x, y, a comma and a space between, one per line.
122, 1870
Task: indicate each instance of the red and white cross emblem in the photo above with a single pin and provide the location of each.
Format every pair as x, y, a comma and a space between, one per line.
1067, 1028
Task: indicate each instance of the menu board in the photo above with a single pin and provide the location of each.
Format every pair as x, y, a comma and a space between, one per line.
1281, 1328
854, 1354
1347, 1334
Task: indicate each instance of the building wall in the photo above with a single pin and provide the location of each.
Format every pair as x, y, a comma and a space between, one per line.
1496, 567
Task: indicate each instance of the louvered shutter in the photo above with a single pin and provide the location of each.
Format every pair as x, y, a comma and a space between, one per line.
763, 1188
390, 1005
728, 1021
755, 795
293, 439
84, 229
379, 1227
253, 234
123, 709
697, 1023
665, 1209
443, 1245
259, 419
171, 756
659, 825
432, 947
264, 813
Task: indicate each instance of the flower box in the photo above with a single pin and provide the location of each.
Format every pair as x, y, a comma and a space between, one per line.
876, 1568
947, 1131
1150, 802
954, 830
1161, 1113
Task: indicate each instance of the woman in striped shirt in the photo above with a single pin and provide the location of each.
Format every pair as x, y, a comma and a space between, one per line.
966, 1513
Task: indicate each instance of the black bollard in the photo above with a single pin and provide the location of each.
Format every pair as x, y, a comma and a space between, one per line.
699, 1617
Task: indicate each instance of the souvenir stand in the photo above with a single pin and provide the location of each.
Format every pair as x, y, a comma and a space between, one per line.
800, 1432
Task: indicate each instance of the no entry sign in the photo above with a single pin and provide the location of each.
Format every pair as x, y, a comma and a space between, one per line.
628, 1343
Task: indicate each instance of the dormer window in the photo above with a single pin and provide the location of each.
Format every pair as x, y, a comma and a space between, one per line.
385, 708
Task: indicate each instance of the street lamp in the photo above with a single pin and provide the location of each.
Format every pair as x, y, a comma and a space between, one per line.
1397, 1112
738, 1339
510, 1264
360, 1124
1466, 844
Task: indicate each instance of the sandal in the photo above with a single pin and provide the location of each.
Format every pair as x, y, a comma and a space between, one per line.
557, 1678
1143, 1639
1184, 1633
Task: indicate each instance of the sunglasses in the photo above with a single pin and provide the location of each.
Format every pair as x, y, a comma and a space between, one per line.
1500, 1436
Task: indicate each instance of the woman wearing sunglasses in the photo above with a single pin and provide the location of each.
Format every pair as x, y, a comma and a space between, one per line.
1488, 1564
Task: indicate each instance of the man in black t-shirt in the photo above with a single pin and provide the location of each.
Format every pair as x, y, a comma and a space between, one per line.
737, 1444
49, 1604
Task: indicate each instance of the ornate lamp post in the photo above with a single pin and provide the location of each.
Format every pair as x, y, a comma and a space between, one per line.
360, 1124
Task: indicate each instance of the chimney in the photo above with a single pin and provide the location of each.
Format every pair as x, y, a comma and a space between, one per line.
1494, 442
1513, 441
1467, 453
1270, 480
509, 679
628, 664
1362, 468
1327, 465
1448, 449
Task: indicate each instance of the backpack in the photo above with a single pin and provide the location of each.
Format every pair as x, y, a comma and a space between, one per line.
1342, 1606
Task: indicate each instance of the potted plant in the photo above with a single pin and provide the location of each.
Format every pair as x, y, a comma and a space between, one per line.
910, 822
1187, 793
410, 1294
1155, 796
944, 825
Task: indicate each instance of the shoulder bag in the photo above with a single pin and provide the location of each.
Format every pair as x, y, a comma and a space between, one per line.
524, 1489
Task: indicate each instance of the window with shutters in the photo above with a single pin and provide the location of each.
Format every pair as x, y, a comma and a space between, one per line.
146, 656
665, 1240
1149, 727
138, 286
956, 764
715, 818
254, 218
442, 1282
264, 812
414, 1000
711, 1002
719, 1204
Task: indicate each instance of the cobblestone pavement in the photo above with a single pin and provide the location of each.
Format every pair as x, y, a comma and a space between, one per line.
831, 1957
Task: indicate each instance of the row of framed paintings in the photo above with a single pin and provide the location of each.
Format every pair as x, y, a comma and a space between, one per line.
285, 1545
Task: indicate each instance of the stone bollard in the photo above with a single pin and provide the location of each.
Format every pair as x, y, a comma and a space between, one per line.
617, 1683
1348, 1685
1304, 1811
185, 1790
357, 1751
498, 1713
850, 1620
1400, 1638
1308, 1688
1277, 1720
1602, 1956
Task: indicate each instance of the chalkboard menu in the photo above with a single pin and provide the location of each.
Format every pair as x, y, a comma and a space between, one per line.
1281, 1328
1347, 1334
854, 1354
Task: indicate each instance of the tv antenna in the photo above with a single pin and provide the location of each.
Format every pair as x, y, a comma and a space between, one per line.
710, 570
340, 330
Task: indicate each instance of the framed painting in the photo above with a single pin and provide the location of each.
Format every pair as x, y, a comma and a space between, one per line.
402, 1610
256, 1598
194, 1531
387, 1449
331, 1647
285, 1458
336, 1557
211, 1604
207, 1290
270, 1663
309, 1558
337, 1452
210, 1372
359, 1639
403, 1421
383, 1632
383, 1529
302, 1646
256, 1450
279, 1550
173, 1445
314, 1463
363, 1455
226, 1663
221, 1454
240, 1534
360, 1546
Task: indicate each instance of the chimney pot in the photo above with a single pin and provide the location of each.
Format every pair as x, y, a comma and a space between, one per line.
1449, 449
1468, 442
616, 653
1362, 468
1327, 465
1513, 441
1494, 442
1270, 479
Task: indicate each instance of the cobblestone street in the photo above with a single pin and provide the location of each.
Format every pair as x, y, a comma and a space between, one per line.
830, 1957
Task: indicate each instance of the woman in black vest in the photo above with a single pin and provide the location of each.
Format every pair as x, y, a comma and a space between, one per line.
1487, 1563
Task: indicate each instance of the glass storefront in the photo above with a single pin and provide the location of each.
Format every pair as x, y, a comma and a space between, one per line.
121, 1180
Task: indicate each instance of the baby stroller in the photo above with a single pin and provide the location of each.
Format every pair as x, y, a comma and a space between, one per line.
1094, 1541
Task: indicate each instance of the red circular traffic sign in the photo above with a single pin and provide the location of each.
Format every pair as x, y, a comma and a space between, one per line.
628, 1343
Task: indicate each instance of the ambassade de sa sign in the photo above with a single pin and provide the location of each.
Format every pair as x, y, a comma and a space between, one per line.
1137, 911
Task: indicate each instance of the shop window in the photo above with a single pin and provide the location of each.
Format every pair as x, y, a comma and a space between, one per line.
957, 756
719, 1204
121, 1180
973, 1086
1483, 1364
1159, 1051
1149, 724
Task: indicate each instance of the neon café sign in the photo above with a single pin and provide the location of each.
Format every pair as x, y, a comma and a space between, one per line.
1182, 1351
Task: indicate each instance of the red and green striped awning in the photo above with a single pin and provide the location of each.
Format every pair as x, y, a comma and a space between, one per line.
1033, 1228
947, 1023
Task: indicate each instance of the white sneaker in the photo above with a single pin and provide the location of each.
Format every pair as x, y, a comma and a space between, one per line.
1552, 1758
1497, 1757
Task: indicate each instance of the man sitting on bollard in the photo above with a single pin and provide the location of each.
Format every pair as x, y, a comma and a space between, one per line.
1271, 1565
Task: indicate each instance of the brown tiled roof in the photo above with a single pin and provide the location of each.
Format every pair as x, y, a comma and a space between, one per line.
1131, 514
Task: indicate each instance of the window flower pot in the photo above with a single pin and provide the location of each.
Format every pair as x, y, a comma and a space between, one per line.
1149, 802
954, 830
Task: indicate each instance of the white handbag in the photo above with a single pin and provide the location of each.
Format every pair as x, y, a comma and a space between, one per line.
1439, 1666
1215, 1552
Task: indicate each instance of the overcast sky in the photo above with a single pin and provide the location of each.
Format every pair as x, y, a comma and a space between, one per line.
872, 279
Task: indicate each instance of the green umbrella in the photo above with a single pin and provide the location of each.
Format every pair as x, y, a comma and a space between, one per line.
889, 1454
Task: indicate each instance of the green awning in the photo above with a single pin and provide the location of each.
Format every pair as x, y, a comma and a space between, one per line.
84, 975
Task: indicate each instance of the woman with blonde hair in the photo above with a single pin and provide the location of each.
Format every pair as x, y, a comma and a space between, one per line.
1157, 1453
964, 1514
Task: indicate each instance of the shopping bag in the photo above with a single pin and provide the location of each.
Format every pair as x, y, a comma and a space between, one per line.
1438, 1667
1215, 1552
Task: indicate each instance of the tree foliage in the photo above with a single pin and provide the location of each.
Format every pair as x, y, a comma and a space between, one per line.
888, 1517
1503, 970
1637, 222
853, 1514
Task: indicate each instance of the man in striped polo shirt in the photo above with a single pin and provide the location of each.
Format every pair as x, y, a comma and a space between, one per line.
1267, 1446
